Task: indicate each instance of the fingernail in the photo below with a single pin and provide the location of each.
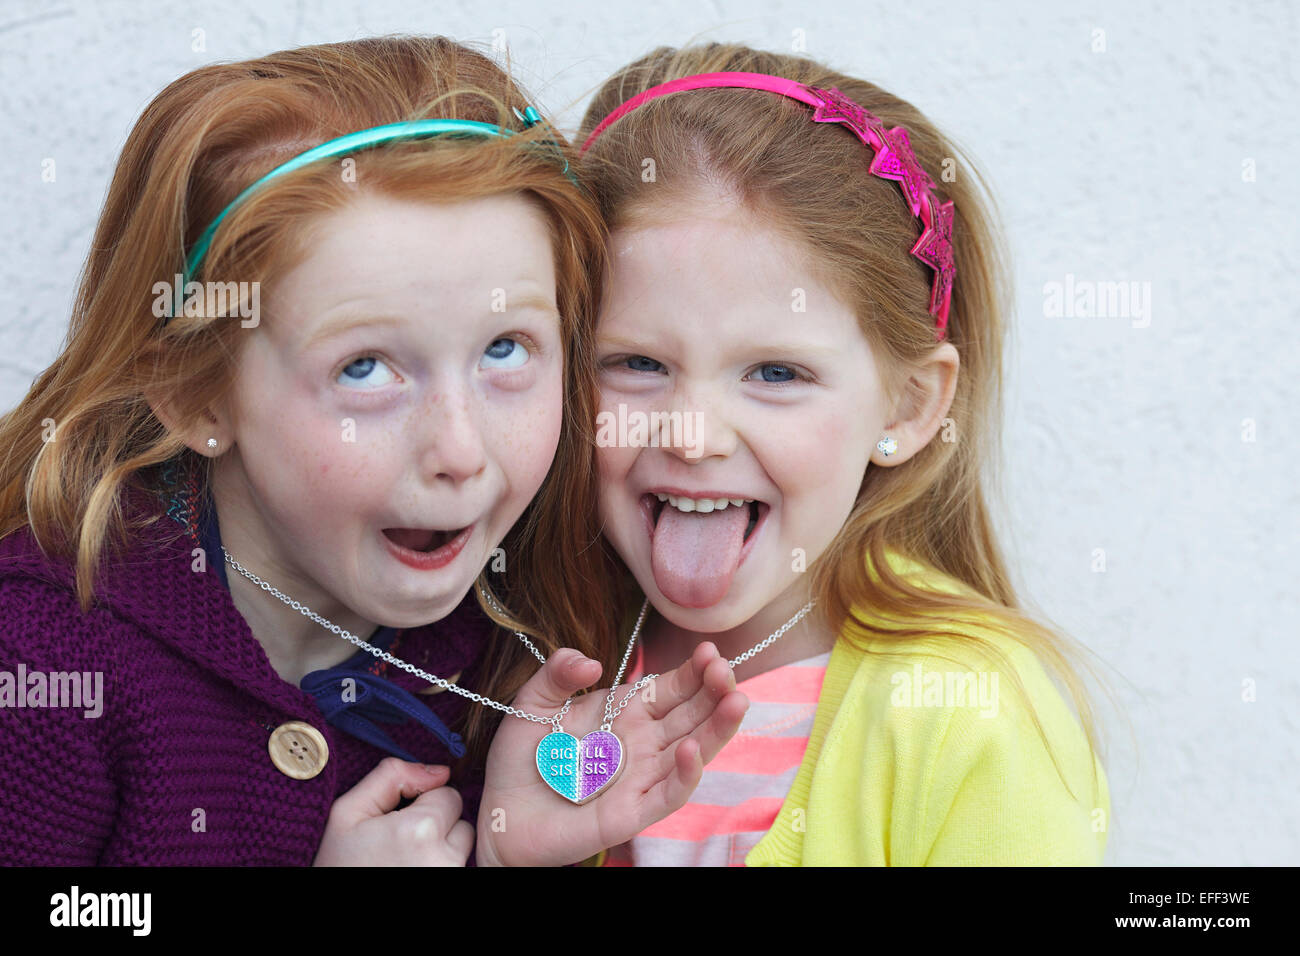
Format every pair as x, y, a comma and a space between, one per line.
436, 768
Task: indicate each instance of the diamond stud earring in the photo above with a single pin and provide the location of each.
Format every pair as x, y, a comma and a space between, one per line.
212, 443
887, 446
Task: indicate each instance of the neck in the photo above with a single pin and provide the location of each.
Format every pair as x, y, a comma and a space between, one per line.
293, 642
666, 645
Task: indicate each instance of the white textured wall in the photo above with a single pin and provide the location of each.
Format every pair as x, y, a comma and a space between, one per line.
1121, 165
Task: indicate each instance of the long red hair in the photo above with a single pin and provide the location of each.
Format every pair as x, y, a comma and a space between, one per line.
199, 143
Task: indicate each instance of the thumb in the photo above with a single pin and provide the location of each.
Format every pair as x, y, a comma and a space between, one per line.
563, 675
382, 789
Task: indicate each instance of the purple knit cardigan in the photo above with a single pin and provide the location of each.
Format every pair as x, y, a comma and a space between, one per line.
189, 703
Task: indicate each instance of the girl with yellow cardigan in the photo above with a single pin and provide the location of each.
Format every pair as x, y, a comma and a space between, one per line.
800, 352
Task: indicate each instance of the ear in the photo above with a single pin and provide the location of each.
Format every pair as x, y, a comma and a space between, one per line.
214, 424
921, 409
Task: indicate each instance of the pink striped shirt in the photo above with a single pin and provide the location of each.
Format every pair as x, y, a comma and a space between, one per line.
743, 788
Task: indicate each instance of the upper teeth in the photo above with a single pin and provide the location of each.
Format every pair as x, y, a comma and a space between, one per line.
701, 504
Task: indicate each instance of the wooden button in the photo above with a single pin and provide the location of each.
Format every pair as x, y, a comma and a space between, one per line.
438, 688
298, 750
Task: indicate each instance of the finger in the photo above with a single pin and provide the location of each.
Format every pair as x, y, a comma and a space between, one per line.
671, 793
682, 683
383, 788
443, 804
566, 673
429, 820
718, 681
711, 735
461, 838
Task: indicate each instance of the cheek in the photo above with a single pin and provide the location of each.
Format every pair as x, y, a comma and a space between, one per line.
281, 434
819, 465
328, 467
612, 467
612, 461
309, 479
528, 435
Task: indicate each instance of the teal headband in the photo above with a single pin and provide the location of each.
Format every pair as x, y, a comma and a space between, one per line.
362, 139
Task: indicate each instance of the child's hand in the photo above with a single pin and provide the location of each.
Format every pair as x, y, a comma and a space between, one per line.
666, 743
364, 830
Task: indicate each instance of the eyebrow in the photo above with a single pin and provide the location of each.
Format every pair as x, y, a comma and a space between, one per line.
533, 303
332, 329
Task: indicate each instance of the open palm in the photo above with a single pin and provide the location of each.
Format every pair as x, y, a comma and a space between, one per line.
667, 739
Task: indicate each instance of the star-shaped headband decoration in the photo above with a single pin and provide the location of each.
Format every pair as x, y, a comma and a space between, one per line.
934, 248
893, 159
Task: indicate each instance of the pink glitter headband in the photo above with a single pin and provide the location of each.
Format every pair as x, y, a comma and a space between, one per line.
893, 160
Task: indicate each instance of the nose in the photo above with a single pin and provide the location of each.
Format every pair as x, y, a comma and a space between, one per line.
454, 449
699, 425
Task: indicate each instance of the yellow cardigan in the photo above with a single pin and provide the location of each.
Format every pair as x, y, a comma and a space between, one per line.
902, 771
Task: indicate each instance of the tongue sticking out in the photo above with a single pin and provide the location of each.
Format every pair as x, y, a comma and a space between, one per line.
696, 555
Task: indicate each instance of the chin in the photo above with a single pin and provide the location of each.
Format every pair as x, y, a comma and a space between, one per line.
435, 610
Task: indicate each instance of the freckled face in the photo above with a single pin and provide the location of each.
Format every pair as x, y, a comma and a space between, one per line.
409, 375
701, 316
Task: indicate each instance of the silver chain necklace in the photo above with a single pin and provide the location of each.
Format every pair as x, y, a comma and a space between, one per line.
576, 770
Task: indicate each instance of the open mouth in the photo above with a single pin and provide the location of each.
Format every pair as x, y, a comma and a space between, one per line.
420, 539
698, 543
656, 503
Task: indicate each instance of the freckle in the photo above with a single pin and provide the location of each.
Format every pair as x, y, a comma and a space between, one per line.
324, 468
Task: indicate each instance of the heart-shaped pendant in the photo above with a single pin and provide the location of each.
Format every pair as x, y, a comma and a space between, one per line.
579, 770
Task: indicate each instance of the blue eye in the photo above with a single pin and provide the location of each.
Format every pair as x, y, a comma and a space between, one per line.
640, 363
358, 373
778, 373
504, 353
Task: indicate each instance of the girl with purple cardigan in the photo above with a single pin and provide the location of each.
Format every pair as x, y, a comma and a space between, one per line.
312, 406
